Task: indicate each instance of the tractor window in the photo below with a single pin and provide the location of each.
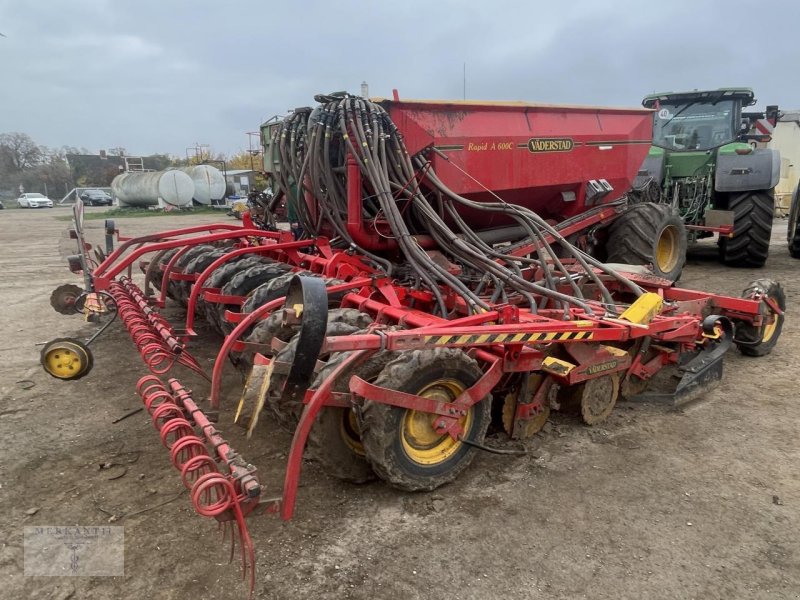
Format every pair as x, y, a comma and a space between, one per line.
694, 125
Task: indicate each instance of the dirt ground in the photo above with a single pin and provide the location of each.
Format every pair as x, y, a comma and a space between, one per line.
702, 502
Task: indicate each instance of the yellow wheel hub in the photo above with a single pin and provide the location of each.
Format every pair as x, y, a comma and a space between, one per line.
769, 330
350, 431
421, 442
64, 362
667, 249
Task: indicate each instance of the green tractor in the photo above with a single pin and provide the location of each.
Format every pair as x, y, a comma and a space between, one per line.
706, 163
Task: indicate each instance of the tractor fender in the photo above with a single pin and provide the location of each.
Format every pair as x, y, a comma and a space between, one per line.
759, 170
652, 167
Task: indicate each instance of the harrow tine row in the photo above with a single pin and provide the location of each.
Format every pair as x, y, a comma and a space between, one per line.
226, 496
150, 332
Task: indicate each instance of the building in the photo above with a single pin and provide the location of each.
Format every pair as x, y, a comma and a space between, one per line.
240, 181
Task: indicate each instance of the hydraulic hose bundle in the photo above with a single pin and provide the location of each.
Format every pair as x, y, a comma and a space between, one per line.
407, 195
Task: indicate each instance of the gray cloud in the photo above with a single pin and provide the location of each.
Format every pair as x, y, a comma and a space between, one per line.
160, 76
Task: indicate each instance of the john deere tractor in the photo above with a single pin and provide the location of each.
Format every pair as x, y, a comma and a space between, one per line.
706, 164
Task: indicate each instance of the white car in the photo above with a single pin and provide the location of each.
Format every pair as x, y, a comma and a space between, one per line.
34, 201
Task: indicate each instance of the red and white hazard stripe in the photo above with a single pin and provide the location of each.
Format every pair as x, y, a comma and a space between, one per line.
764, 127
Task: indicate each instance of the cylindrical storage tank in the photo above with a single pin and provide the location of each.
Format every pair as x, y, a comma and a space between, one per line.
174, 188
209, 184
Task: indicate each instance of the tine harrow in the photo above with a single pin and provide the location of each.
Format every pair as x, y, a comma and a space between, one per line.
152, 335
221, 484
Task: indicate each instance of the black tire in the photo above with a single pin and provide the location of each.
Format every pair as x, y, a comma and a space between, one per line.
383, 426
341, 321
244, 283
173, 288
195, 267
752, 228
793, 233
271, 290
335, 438
649, 234
160, 261
221, 277
271, 327
759, 341
72, 372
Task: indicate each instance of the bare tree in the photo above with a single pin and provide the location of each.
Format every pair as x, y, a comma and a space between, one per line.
19, 151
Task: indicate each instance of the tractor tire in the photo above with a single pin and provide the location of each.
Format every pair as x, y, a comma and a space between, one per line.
401, 444
173, 287
752, 228
221, 277
335, 439
244, 283
649, 234
195, 267
759, 341
342, 321
793, 234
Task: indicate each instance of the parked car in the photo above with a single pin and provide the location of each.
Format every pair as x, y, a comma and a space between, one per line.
33, 200
96, 198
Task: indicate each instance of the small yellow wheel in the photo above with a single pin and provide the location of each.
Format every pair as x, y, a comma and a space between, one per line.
67, 359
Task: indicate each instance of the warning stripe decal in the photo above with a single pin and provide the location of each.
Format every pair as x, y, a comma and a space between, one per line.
507, 338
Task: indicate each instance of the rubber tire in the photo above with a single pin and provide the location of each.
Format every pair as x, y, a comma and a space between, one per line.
632, 237
793, 233
87, 352
161, 259
264, 331
381, 423
195, 267
272, 290
748, 333
342, 321
325, 443
245, 283
221, 277
752, 227
173, 287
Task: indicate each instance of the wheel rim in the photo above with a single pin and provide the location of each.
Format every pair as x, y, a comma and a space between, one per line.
351, 432
667, 249
64, 362
769, 330
421, 442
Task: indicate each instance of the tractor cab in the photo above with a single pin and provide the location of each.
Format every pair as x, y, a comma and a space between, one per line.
698, 121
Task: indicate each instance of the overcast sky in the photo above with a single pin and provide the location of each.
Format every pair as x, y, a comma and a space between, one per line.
161, 76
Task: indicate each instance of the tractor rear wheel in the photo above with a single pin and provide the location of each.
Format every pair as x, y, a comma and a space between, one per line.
752, 227
649, 234
793, 234
402, 445
759, 341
